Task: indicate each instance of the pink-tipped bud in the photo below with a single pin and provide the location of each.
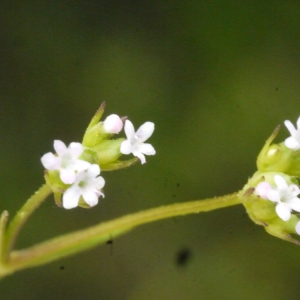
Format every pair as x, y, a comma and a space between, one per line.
113, 124
263, 189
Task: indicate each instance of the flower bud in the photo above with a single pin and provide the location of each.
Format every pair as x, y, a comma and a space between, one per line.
113, 124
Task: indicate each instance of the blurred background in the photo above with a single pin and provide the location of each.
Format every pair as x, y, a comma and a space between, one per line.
215, 77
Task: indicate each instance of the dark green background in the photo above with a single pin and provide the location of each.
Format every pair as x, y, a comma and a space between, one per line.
215, 77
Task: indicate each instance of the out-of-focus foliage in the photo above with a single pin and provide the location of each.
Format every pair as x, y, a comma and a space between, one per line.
215, 77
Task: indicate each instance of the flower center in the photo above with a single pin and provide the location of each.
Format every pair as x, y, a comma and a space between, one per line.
82, 183
136, 141
66, 160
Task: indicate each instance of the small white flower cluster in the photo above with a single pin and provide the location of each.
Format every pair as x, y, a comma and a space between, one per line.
79, 173
285, 196
83, 176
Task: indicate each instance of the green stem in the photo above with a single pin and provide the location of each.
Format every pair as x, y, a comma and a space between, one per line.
22, 216
72, 243
3, 221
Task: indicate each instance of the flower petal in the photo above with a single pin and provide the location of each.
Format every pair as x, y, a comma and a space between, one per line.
294, 204
290, 127
145, 131
280, 182
129, 130
147, 149
71, 197
99, 184
294, 190
90, 197
67, 176
283, 211
274, 196
80, 165
75, 149
140, 155
93, 170
298, 124
292, 143
50, 161
125, 147
59, 147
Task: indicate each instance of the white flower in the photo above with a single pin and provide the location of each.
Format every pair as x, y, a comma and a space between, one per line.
293, 142
135, 140
66, 161
87, 185
113, 124
284, 195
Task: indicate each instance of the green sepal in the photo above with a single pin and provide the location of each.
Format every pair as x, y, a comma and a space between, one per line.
95, 132
57, 199
260, 211
278, 158
116, 165
98, 115
53, 180
283, 230
57, 186
106, 155
259, 176
108, 151
89, 155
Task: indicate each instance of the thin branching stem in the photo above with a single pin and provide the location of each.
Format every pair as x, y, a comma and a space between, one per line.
79, 241
22, 216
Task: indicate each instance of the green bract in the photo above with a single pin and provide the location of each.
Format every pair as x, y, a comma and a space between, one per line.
278, 158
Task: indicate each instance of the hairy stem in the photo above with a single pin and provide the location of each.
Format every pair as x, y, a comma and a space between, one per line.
22, 216
79, 241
